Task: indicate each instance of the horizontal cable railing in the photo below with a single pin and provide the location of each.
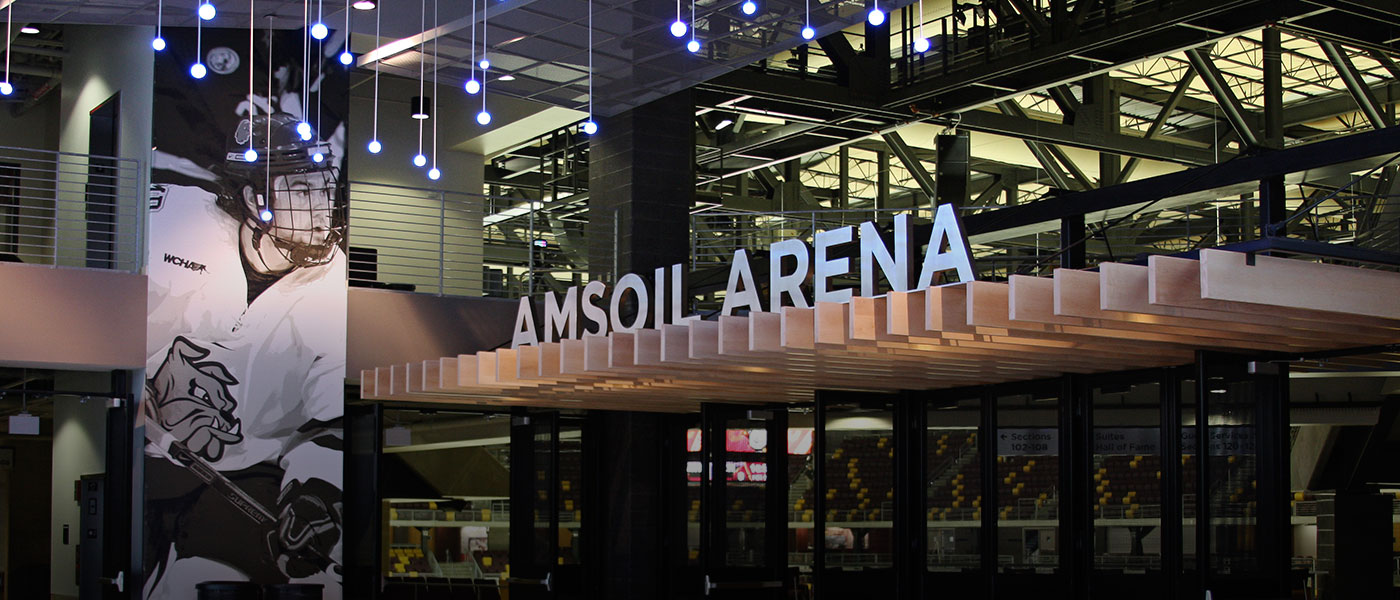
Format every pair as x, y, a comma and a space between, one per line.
459, 244
70, 210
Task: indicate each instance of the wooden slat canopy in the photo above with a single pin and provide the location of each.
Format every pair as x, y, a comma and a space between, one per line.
1117, 318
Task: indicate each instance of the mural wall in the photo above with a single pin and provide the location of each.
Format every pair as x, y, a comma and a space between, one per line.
246, 312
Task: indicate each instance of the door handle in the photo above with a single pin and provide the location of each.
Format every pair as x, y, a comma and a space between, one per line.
119, 581
547, 582
740, 585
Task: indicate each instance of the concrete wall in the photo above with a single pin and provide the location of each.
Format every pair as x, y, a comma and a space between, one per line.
25, 219
79, 448
101, 62
72, 318
397, 327
405, 217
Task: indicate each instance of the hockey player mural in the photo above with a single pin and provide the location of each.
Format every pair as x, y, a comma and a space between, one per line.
246, 319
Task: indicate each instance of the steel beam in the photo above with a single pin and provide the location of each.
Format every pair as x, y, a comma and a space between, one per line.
1224, 96
1352, 78
1065, 135
911, 162
1168, 108
1239, 171
1012, 109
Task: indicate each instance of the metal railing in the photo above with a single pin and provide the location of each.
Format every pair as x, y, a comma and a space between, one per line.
459, 244
71, 210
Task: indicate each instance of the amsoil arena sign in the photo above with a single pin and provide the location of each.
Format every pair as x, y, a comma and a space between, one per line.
790, 263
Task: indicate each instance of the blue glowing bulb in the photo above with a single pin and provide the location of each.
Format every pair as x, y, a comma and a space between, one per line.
472, 86
876, 17
693, 46
265, 215
589, 127
921, 45
434, 173
375, 146
318, 157
808, 33
484, 64
198, 71
749, 7
6, 89
304, 130
420, 160
678, 28
319, 31
346, 58
250, 155
483, 117
158, 44
207, 12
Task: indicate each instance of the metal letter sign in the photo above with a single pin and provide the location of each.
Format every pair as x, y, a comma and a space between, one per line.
790, 262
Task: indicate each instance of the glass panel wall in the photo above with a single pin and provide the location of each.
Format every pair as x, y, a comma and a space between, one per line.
858, 470
1028, 482
1126, 486
445, 480
953, 479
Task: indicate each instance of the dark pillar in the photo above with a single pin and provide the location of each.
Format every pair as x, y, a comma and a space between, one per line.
954, 154
911, 496
1072, 242
1102, 102
1273, 89
1170, 400
641, 181
631, 514
1272, 209
882, 178
1076, 504
363, 436
1275, 539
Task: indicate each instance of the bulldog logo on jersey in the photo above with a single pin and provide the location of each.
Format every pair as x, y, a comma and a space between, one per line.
192, 400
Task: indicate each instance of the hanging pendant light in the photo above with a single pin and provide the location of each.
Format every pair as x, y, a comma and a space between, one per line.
158, 42
749, 7
251, 154
590, 126
876, 16
374, 145
921, 44
266, 213
303, 127
434, 173
345, 56
319, 30
485, 63
6, 88
418, 106
678, 27
472, 86
693, 45
197, 70
807, 31
206, 11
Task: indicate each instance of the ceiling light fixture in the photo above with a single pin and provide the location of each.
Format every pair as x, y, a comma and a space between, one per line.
5, 87
345, 56
921, 44
678, 27
304, 128
876, 16
807, 31
374, 145
158, 42
506, 77
749, 7
417, 106
472, 86
434, 173
590, 127
485, 61
693, 45
365, 5
266, 213
29, 30
725, 122
207, 12
319, 30
197, 70
251, 154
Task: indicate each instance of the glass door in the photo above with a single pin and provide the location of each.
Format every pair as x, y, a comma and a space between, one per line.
1029, 493
743, 541
953, 476
855, 494
547, 504
1128, 471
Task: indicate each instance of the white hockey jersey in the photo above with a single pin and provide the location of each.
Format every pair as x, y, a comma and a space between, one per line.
286, 351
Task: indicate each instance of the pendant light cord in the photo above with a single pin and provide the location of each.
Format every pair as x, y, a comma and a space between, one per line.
9, 18
422, 25
377, 10
160, 9
434, 114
